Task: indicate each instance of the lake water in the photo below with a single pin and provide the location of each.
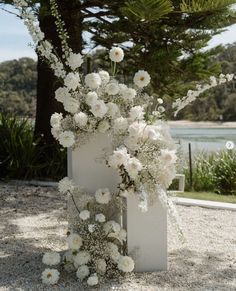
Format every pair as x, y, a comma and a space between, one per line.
204, 139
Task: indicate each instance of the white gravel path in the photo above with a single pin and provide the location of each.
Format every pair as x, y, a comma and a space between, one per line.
33, 221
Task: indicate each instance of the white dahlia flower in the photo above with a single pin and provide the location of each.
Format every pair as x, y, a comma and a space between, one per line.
75, 60
133, 166
50, 276
103, 196
82, 272
81, 119
84, 215
136, 113
93, 80
105, 77
82, 258
55, 120
116, 54
62, 93
91, 98
71, 105
65, 185
74, 241
142, 79
112, 88
100, 218
72, 81
51, 258
99, 108
66, 138
92, 280
125, 264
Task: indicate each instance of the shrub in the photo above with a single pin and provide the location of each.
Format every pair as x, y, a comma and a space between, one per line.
23, 157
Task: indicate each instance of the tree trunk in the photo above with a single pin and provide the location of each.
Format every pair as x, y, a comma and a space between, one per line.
47, 82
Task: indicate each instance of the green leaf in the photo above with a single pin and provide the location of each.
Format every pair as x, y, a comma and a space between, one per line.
193, 6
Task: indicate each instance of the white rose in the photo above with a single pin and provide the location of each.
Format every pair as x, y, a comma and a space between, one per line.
136, 113
105, 77
116, 54
103, 196
50, 276
152, 133
84, 214
133, 167
61, 94
112, 88
66, 139
120, 125
74, 241
81, 119
71, 105
136, 129
99, 108
93, 80
75, 60
82, 272
125, 264
92, 280
51, 258
118, 158
142, 78
113, 110
100, 218
72, 81
56, 132
91, 98
55, 120
103, 126
128, 94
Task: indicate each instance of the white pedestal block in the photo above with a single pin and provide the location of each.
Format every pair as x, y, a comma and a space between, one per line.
147, 236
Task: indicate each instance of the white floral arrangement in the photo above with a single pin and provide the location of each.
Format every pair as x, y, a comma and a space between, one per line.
144, 153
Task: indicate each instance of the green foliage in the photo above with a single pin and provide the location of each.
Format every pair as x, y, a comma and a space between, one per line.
23, 157
192, 6
213, 172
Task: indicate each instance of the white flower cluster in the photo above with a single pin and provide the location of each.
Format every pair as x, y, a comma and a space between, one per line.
191, 96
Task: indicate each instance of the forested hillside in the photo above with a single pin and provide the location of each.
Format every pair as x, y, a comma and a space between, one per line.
18, 90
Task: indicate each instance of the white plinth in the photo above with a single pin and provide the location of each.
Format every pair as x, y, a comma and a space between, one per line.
147, 236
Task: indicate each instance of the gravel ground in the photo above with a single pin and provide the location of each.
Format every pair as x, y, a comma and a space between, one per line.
33, 221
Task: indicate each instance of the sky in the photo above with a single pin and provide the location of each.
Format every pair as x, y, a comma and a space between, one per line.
14, 38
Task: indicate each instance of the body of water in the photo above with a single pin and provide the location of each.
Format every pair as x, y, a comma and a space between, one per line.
204, 139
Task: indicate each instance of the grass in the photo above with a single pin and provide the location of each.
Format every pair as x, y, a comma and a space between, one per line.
208, 196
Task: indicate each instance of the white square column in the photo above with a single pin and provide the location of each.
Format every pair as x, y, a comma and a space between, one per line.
147, 236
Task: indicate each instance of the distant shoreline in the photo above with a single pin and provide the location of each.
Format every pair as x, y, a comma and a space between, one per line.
201, 124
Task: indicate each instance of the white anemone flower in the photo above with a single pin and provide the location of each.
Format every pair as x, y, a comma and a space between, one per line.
51, 258
50, 276
116, 54
142, 78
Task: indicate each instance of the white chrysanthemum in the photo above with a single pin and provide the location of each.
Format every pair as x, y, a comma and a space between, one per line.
99, 108
120, 125
65, 185
62, 93
105, 77
101, 266
74, 241
91, 228
50, 276
81, 119
128, 94
91, 98
84, 215
75, 60
71, 105
111, 226
93, 80
168, 157
116, 54
103, 196
136, 113
66, 138
125, 264
118, 158
100, 218
51, 258
82, 272
113, 110
112, 88
82, 258
133, 166
103, 126
142, 78
92, 280
72, 81
55, 120
113, 252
